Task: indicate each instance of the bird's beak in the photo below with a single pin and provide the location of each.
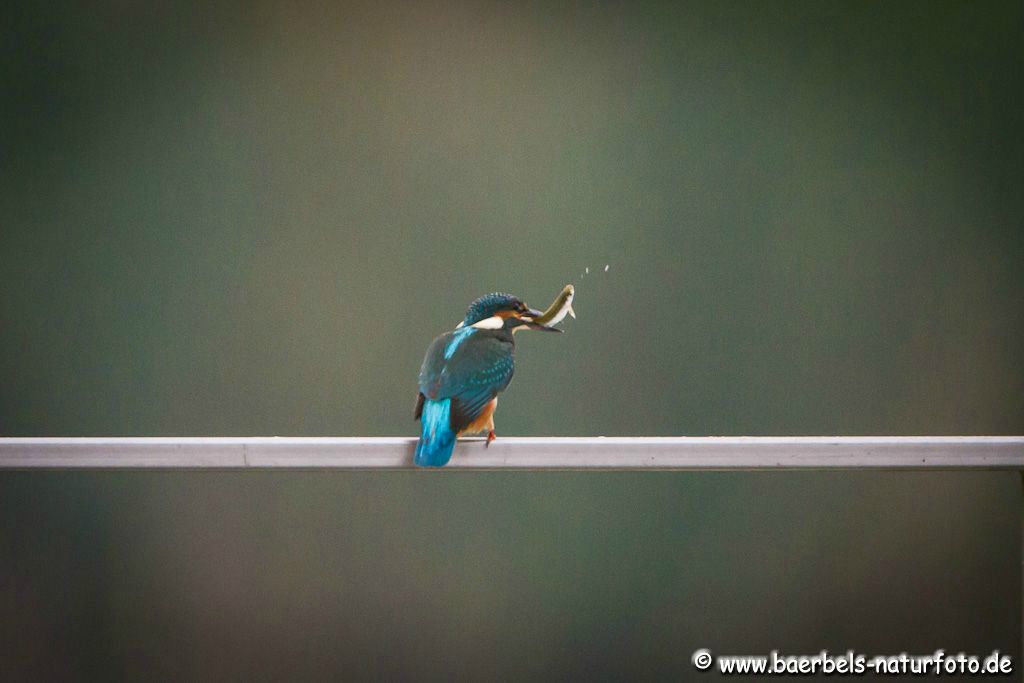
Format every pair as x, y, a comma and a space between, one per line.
527, 321
529, 324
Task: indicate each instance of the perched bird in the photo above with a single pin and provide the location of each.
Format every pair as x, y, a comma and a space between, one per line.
465, 370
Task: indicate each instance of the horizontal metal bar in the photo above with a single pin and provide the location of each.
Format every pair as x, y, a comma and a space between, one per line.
602, 453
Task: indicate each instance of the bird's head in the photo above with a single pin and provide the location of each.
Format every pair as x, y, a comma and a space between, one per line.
510, 311
500, 305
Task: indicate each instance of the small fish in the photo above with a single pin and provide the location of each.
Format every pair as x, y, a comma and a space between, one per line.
559, 308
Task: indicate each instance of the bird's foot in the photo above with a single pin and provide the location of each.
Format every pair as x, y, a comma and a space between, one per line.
490, 437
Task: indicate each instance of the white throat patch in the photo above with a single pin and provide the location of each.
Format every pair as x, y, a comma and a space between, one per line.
492, 323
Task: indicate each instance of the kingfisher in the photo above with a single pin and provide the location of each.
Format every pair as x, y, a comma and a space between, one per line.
464, 371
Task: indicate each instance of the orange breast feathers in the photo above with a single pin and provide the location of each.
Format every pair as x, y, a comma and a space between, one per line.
486, 420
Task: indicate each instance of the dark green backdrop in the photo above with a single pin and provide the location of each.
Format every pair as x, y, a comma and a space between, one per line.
251, 218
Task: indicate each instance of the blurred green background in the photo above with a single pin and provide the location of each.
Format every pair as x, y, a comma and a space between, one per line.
251, 218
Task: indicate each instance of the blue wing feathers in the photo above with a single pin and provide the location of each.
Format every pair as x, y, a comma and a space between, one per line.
462, 371
476, 391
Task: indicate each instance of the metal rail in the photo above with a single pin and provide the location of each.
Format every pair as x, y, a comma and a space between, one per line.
530, 453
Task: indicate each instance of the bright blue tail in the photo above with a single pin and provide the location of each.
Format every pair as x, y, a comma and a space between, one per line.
437, 440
